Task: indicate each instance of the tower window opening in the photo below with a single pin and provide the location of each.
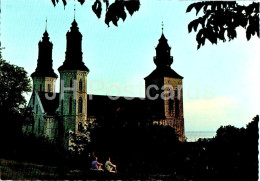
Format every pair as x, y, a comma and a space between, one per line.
49, 87
80, 85
80, 105
70, 105
177, 110
175, 93
71, 83
80, 127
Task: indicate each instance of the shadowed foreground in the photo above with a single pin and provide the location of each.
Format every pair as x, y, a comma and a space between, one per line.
10, 169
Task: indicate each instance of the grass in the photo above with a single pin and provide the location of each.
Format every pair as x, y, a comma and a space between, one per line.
14, 170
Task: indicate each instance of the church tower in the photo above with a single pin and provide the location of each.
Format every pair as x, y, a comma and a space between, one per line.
164, 90
73, 86
44, 77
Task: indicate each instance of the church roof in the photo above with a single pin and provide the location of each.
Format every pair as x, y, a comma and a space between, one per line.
136, 108
161, 72
71, 65
49, 106
44, 73
163, 42
101, 105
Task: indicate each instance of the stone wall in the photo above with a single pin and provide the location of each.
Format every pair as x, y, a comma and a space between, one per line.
44, 84
71, 120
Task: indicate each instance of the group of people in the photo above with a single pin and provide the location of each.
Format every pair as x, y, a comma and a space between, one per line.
108, 166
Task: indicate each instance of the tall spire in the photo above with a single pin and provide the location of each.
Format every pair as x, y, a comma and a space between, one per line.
73, 55
46, 24
44, 62
163, 60
163, 52
74, 10
162, 27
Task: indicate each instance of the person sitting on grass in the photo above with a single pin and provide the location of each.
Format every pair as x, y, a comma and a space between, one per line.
110, 167
96, 165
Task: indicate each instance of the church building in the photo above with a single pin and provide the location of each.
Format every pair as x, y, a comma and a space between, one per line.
73, 109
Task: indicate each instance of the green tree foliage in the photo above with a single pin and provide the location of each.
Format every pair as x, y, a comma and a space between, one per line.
233, 153
220, 19
14, 82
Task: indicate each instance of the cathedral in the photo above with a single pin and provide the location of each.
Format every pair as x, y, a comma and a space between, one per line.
74, 110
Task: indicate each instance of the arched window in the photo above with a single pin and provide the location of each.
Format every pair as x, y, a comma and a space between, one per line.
70, 105
80, 105
171, 106
175, 93
71, 83
80, 127
177, 110
80, 85
49, 87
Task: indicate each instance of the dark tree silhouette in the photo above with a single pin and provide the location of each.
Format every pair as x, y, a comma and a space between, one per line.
114, 11
218, 22
14, 82
220, 19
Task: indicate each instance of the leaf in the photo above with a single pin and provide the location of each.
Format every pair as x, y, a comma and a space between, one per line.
189, 8
221, 34
190, 25
64, 2
115, 12
213, 6
211, 36
200, 37
53, 2
81, 1
132, 6
194, 24
205, 8
198, 6
97, 8
107, 4
231, 33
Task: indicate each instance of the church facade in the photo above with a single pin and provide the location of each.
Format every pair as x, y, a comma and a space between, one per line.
73, 109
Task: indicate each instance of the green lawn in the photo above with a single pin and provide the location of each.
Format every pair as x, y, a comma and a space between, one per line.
15, 170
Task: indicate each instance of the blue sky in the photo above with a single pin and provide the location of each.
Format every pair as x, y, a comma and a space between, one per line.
221, 82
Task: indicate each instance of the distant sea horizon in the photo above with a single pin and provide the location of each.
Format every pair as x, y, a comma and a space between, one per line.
193, 136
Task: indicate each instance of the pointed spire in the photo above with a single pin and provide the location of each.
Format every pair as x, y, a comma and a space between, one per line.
74, 10
44, 62
73, 55
162, 27
46, 23
163, 52
74, 23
